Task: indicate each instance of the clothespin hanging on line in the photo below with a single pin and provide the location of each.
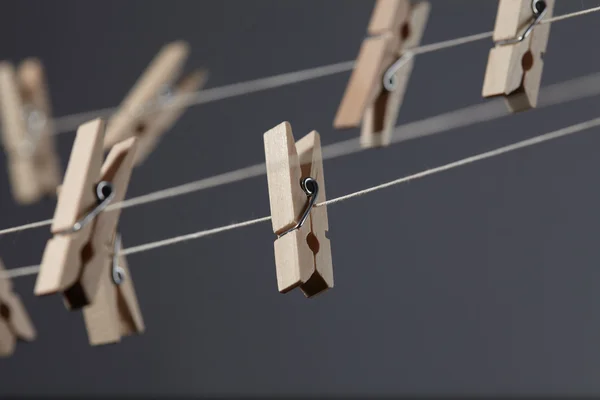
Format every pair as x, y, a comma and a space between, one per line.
516, 63
14, 321
80, 257
296, 184
378, 83
83, 232
156, 101
27, 131
115, 311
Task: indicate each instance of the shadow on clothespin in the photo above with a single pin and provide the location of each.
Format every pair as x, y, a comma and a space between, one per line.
14, 320
79, 258
74, 257
27, 131
516, 63
156, 101
296, 184
115, 311
378, 83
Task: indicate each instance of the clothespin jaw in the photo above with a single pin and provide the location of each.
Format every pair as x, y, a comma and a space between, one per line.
75, 257
155, 102
302, 249
516, 63
14, 321
115, 311
27, 131
378, 83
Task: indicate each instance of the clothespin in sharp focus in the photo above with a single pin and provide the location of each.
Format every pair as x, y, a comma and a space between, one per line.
83, 232
515, 64
115, 311
296, 183
378, 83
156, 102
14, 320
27, 131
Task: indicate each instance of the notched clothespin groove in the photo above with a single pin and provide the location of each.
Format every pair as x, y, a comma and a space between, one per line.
395, 27
515, 64
156, 101
15, 324
27, 131
302, 253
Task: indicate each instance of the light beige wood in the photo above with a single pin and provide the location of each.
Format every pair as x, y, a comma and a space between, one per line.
515, 70
62, 258
150, 132
399, 27
311, 161
380, 119
287, 163
72, 262
388, 15
115, 311
140, 115
15, 323
33, 164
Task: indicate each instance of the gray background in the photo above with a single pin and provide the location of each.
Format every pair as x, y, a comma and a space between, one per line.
481, 280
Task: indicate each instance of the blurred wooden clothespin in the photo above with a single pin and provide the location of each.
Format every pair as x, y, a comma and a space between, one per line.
156, 102
378, 83
14, 320
80, 258
27, 131
115, 311
515, 64
296, 184
83, 231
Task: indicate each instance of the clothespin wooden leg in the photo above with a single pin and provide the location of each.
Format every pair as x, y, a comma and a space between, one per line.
515, 64
380, 118
115, 311
75, 257
14, 320
296, 183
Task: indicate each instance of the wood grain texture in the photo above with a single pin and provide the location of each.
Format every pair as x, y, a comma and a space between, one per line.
62, 259
73, 261
164, 69
115, 311
302, 256
311, 160
515, 71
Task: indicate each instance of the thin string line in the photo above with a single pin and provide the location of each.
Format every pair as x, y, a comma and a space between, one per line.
554, 94
32, 270
69, 123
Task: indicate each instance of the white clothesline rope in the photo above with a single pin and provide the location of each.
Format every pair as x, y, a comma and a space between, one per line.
558, 93
69, 123
34, 269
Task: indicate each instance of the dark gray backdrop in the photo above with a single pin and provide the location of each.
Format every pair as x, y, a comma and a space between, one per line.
481, 280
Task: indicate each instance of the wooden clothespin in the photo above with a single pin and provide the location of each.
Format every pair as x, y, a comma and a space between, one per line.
76, 256
515, 64
156, 102
115, 311
27, 131
14, 320
296, 184
378, 83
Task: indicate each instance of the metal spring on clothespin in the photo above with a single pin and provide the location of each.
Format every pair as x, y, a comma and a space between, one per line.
539, 8
311, 188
